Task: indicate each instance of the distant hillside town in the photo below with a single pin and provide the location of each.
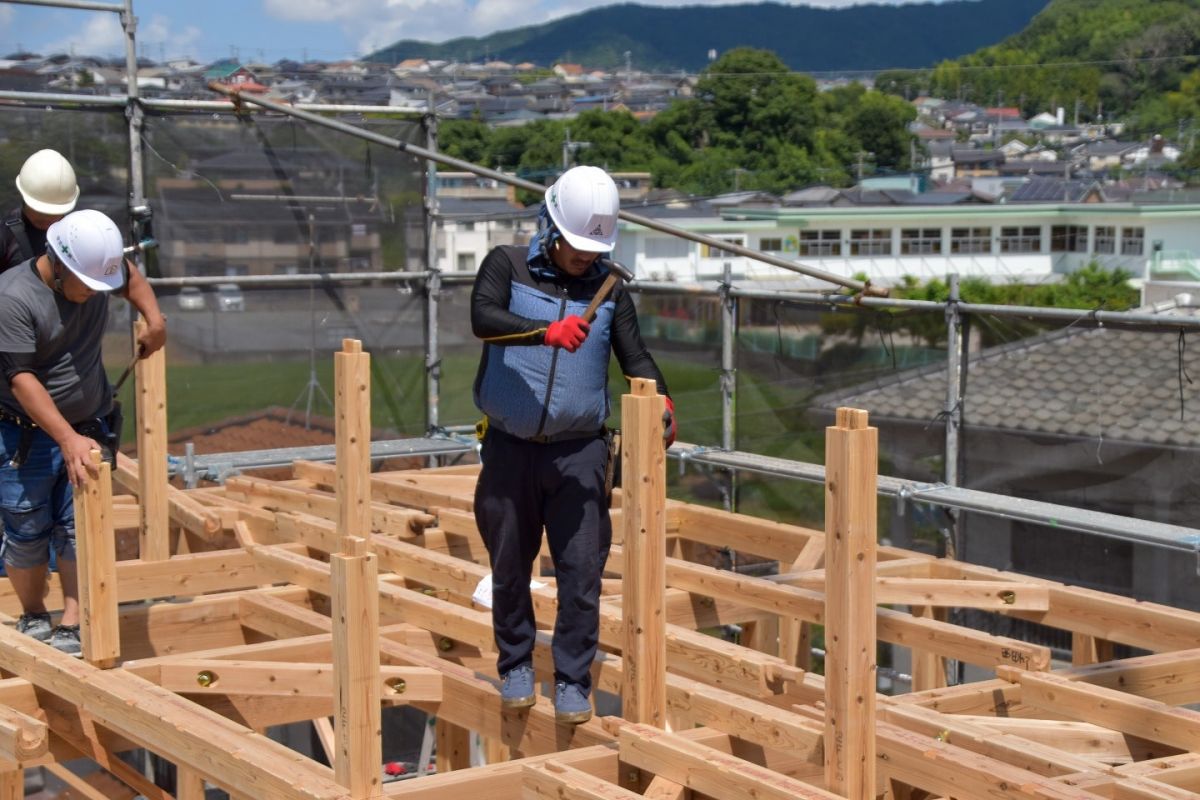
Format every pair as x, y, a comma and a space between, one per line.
990, 192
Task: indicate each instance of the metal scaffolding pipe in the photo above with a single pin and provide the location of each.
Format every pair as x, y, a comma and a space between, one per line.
288, 280
174, 104
1113, 526
521, 183
82, 5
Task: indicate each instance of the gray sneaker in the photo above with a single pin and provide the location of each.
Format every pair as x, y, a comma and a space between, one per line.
35, 625
517, 689
571, 705
66, 639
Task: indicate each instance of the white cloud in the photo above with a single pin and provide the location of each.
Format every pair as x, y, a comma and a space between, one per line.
101, 35
157, 38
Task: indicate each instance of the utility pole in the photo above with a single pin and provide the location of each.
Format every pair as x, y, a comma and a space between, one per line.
570, 148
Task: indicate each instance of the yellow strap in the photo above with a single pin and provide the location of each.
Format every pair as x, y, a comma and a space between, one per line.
481, 429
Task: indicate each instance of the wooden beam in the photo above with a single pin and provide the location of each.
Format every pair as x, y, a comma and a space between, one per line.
946, 592
383, 518
182, 508
709, 771
150, 381
424, 492
356, 670
226, 754
22, 738
644, 648
297, 680
97, 567
851, 459
945, 769
552, 780
1149, 719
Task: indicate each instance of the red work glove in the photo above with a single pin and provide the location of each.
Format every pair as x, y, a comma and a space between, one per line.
567, 333
669, 429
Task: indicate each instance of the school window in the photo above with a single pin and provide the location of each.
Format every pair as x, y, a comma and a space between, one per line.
920, 241
707, 251
1021, 239
465, 262
1106, 240
1133, 241
358, 229
820, 243
667, 247
1068, 239
871, 242
771, 245
970, 240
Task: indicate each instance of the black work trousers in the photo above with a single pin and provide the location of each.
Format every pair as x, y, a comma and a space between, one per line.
523, 487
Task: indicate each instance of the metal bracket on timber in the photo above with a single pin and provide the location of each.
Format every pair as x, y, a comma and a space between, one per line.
851, 469
644, 497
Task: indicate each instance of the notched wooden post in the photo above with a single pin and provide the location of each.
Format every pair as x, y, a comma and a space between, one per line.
96, 559
150, 375
352, 398
643, 517
851, 468
357, 727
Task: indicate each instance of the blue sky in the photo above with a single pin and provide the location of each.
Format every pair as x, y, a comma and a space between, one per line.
269, 30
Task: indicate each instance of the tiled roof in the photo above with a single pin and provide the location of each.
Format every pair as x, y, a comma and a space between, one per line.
1118, 385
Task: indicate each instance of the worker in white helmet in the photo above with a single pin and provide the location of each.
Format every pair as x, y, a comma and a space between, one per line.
543, 387
55, 400
49, 192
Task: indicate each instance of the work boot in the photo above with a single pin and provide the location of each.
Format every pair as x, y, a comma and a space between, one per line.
571, 704
65, 639
517, 689
35, 625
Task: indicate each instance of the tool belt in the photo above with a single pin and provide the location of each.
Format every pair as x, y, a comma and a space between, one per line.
101, 430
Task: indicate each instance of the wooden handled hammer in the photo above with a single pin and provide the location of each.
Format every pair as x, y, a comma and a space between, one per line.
616, 271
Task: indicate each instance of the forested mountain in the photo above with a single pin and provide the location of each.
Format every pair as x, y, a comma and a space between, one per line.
862, 37
1127, 59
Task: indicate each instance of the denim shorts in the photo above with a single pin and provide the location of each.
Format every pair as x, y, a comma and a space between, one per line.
36, 501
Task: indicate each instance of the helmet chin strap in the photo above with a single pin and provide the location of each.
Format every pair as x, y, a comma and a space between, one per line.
58, 287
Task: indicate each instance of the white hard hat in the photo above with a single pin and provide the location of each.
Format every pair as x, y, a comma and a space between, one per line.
90, 244
583, 204
47, 183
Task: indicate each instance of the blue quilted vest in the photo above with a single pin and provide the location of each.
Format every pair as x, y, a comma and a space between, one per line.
534, 391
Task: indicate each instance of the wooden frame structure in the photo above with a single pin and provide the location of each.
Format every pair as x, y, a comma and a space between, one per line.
337, 592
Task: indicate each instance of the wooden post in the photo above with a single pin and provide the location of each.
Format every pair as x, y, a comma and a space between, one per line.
851, 466
643, 465
12, 784
150, 374
453, 746
189, 784
96, 559
928, 668
1089, 650
359, 757
352, 397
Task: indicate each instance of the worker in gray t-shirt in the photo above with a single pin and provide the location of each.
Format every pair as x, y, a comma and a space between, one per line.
53, 401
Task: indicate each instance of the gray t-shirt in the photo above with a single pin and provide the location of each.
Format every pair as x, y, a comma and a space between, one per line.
64, 338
